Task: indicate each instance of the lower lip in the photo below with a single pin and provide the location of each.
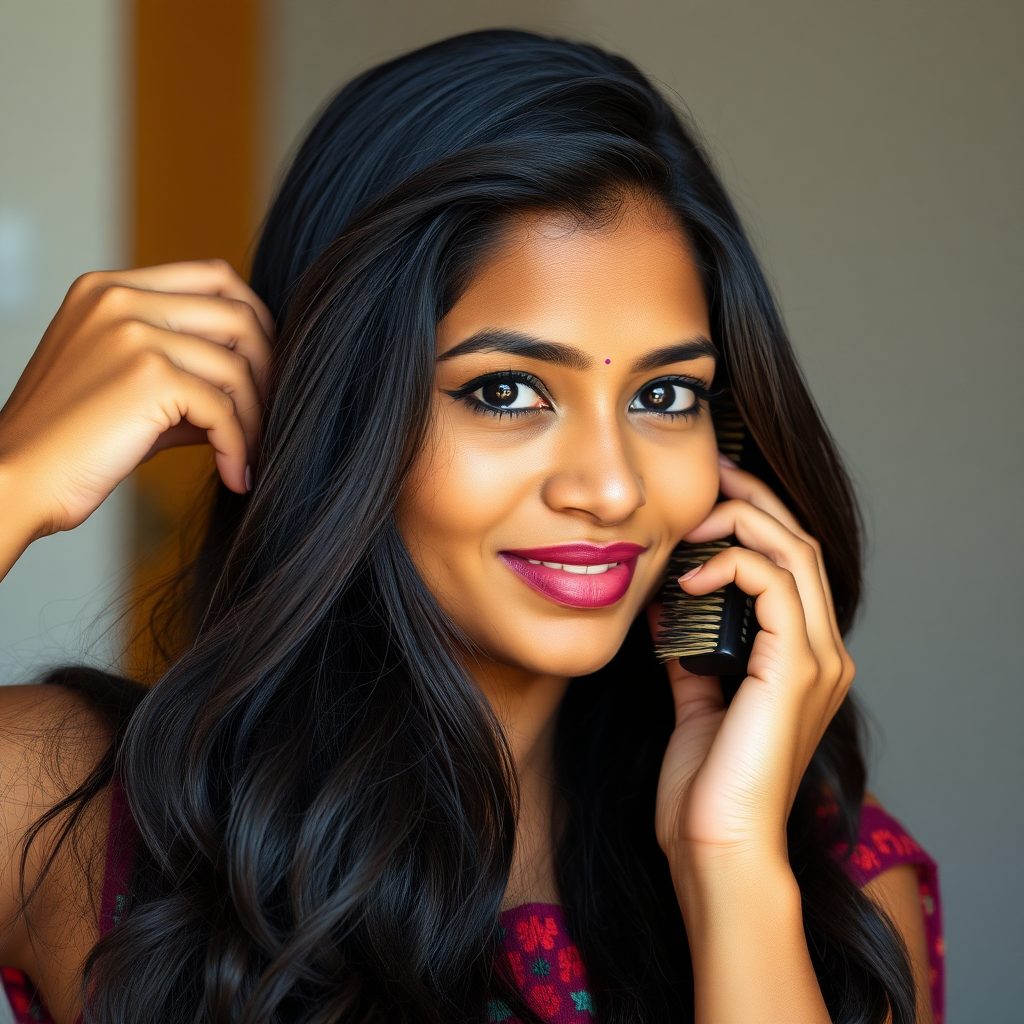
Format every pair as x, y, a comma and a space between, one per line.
572, 589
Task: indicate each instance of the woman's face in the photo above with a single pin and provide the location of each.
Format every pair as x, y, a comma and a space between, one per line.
571, 448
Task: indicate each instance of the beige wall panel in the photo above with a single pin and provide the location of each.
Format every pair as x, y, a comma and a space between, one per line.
61, 203
315, 46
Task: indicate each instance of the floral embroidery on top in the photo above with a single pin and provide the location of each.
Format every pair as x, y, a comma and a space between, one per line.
533, 933
545, 965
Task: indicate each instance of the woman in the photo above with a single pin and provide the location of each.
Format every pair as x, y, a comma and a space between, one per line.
418, 738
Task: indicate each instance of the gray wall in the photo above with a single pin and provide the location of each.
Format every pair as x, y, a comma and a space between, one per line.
875, 150
61, 205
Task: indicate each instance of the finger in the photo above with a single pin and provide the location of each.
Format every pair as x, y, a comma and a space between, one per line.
759, 531
198, 402
782, 656
182, 436
229, 323
737, 483
198, 277
226, 370
693, 695
777, 602
697, 699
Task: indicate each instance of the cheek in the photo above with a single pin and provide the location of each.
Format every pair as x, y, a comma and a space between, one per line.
457, 494
686, 494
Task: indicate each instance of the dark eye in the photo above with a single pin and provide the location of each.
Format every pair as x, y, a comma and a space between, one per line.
664, 396
508, 394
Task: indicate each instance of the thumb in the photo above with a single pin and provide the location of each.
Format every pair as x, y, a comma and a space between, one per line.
693, 695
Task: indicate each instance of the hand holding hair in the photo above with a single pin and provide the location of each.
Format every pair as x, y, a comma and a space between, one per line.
133, 362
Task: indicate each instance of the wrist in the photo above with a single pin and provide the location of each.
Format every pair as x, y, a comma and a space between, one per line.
762, 850
711, 880
744, 925
18, 526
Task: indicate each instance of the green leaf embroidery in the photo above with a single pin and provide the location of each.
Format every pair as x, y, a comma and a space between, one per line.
497, 1010
582, 1001
540, 967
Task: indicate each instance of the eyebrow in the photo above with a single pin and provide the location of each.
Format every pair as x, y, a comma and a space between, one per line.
681, 352
517, 344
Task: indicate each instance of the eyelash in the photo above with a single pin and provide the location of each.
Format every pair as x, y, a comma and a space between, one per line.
700, 390
465, 393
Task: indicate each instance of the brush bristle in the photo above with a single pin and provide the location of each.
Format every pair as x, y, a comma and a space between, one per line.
689, 624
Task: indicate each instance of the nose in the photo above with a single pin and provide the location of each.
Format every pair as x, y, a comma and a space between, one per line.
594, 476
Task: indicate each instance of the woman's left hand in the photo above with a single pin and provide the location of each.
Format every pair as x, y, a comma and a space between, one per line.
730, 775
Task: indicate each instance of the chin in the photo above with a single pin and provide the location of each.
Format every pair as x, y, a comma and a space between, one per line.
562, 651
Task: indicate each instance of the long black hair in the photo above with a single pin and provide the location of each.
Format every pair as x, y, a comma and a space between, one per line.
326, 806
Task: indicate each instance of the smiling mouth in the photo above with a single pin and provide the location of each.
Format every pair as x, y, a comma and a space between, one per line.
577, 575
579, 570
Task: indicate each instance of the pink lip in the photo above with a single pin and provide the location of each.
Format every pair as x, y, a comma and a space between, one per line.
572, 589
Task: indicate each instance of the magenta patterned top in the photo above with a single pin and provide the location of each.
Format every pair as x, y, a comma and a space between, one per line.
542, 958
547, 968
545, 965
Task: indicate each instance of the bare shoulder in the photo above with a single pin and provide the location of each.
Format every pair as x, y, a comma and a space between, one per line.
896, 892
51, 738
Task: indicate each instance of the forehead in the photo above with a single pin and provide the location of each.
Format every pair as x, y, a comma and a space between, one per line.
627, 282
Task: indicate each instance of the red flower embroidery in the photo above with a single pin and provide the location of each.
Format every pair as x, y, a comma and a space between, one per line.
544, 1000
533, 933
889, 842
570, 965
515, 961
865, 858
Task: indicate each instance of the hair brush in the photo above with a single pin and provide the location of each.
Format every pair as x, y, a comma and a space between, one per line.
710, 634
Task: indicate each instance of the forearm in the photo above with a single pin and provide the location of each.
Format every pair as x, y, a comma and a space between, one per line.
16, 528
750, 959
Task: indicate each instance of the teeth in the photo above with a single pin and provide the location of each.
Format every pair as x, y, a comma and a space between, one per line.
579, 570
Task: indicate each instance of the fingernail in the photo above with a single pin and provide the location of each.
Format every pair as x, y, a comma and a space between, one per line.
726, 461
693, 572
248, 478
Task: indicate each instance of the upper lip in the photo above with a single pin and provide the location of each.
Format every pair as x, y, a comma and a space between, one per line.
581, 553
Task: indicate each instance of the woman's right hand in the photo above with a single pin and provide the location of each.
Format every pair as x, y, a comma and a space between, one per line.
135, 361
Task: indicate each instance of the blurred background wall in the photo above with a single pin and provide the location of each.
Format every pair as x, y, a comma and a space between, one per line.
874, 150
63, 103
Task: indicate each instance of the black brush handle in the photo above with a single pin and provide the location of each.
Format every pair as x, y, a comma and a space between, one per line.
735, 638
735, 631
